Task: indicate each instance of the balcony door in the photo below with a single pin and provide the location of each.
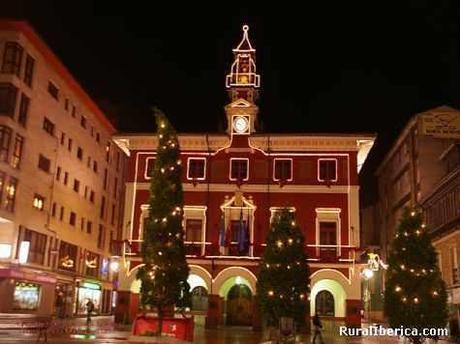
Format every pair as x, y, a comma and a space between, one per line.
328, 238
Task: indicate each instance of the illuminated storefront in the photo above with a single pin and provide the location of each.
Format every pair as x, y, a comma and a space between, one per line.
88, 291
26, 296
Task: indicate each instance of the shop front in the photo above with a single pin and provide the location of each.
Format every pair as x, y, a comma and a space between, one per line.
85, 291
26, 291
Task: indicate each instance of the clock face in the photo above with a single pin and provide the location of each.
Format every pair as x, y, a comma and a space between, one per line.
240, 124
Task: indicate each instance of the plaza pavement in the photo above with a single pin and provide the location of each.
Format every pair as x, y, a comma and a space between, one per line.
103, 331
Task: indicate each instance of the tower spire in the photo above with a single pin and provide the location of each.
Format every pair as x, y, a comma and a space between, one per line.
243, 80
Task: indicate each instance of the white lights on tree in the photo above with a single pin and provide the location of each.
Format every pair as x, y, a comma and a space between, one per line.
368, 273
115, 265
24, 252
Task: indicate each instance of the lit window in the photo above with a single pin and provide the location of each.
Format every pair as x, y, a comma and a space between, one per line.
239, 169
196, 168
10, 197
17, 151
327, 170
39, 202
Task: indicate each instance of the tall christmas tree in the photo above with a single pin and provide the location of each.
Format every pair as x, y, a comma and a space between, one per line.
284, 274
415, 294
164, 275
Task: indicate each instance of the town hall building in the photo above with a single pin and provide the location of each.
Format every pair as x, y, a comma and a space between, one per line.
250, 174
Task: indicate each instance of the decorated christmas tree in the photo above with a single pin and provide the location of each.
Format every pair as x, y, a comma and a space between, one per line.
164, 275
284, 274
415, 294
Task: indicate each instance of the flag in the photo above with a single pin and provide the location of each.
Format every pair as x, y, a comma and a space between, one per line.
242, 238
228, 236
222, 237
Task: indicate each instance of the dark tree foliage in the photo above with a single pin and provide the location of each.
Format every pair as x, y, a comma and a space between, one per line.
164, 275
284, 274
415, 294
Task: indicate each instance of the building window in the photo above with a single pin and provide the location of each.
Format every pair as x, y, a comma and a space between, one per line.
72, 218
26, 296
89, 227
86, 191
62, 141
149, 166
327, 170
23, 110
8, 93
196, 168
91, 264
12, 58
39, 202
83, 121
98, 137
80, 153
102, 210
67, 256
53, 90
327, 238
239, 169
112, 219
107, 152
48, 126
29, 70
101, 237
88, 162
95, 166
17, 151
2, 183
76, 185
66, 104
5, 140
74, 111
61, 213
105, 179
91, 196
69, 144
276, 211
193, 229
44, 163
37, 246
282, 170
53, 209
66, 178
82, 224
10, 197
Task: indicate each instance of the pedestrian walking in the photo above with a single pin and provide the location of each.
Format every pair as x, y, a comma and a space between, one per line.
318, 327
89, 310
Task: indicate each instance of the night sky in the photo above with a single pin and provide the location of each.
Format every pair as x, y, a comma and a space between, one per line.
345, 66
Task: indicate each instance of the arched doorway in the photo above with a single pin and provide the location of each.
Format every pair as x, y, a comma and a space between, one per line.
324, 304
239, 306
199, 299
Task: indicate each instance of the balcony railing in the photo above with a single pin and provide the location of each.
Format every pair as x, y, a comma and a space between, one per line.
315, 253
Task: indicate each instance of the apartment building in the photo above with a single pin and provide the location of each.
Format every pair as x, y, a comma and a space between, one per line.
60, 183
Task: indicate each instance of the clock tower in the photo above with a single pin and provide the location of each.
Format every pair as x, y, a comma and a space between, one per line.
242, 84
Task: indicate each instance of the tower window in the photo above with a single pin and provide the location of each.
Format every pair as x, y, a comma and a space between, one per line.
39, 202
48, 126
239, 169
282, 169
327, 170
196, 168
29, 70
8, 93
44, 163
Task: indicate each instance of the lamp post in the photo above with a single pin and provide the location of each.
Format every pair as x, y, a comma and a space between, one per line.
367, 274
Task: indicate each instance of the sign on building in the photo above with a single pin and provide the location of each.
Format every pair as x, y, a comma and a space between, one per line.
441, 124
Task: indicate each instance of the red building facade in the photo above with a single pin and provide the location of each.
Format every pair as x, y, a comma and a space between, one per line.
250, 175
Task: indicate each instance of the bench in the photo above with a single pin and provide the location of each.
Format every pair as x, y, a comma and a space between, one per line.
26, 323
